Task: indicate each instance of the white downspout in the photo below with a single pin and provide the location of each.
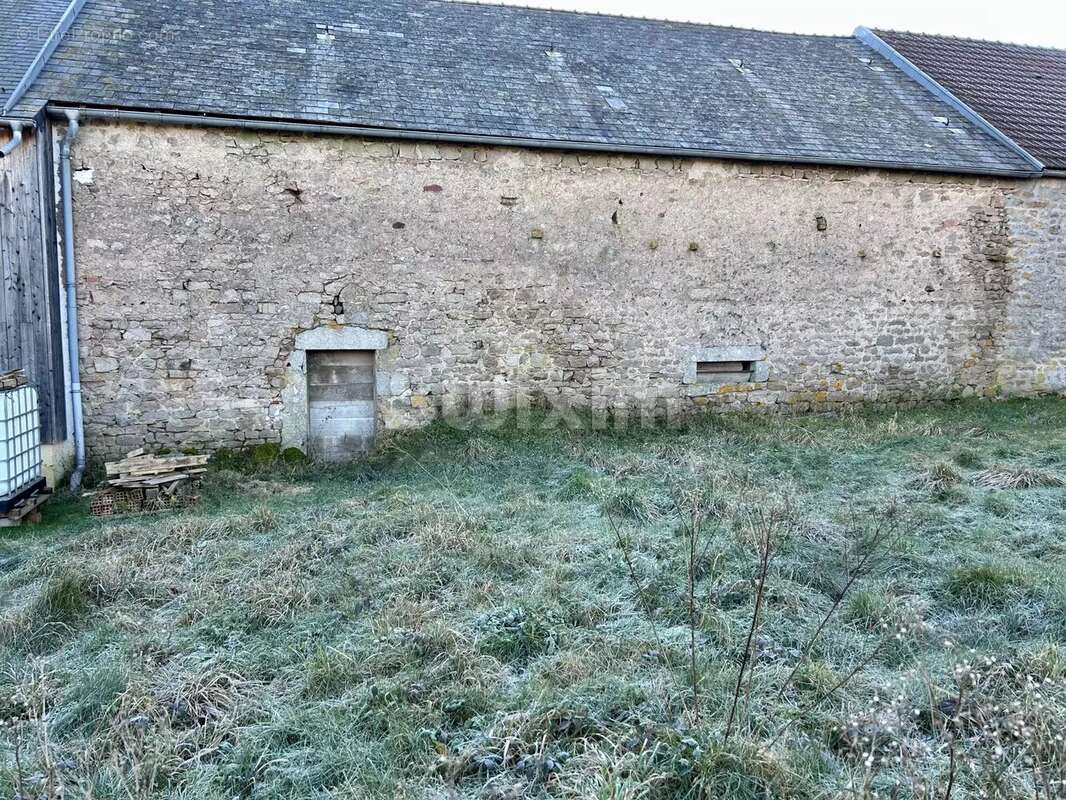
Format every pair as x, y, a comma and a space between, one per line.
72, 301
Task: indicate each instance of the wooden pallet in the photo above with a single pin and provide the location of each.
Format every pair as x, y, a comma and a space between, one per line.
29, 511
145, 484
13, 380
139, 470
155, 465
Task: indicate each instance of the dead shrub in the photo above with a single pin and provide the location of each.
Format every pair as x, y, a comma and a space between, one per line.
939, 477
1008, 477
206, 694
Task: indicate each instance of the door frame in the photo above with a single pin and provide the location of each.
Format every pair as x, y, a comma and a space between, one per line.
295, 421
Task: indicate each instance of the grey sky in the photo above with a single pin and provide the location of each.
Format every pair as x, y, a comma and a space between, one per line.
1040, 22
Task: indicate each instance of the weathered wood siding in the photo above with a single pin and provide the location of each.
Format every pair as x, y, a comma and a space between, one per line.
29, 296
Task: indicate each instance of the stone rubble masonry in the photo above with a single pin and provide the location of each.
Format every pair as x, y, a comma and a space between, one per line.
589, 279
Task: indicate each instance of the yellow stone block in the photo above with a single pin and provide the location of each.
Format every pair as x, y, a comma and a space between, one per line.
736, 388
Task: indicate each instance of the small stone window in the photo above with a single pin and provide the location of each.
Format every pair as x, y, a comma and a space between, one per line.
731, 371
727, 365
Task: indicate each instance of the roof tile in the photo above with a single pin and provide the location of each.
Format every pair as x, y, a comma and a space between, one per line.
1019, 89
487, 70
25, 26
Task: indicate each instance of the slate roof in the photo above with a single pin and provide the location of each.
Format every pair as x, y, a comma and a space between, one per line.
534, 75
24, 27
1019, 89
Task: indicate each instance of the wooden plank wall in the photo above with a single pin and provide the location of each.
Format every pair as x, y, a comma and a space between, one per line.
32, 335
340, 395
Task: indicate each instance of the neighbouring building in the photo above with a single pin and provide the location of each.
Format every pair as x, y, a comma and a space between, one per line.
309, 223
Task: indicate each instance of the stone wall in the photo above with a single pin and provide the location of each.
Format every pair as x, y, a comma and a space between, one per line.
1033, 338
583, 279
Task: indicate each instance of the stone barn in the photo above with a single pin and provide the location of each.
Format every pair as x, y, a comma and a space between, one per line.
311, 222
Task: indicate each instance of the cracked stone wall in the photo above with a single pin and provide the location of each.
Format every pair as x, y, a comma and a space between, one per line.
585, 279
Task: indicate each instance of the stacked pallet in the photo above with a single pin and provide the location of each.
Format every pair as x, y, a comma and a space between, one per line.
139, 470
28, 510
12, 380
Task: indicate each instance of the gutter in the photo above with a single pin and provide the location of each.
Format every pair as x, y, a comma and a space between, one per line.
45, 53
330, 129
16, 139
71, 286
876, 43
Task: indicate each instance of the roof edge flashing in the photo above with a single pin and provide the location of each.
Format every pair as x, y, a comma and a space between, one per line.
879, 45
21, 122
343, 129
45, 53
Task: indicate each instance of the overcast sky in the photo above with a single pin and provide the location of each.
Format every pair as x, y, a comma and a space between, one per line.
1041, 22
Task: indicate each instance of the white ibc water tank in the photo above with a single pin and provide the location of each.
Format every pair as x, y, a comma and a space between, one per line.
20, 444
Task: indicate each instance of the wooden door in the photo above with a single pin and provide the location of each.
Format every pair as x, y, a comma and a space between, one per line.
340, 395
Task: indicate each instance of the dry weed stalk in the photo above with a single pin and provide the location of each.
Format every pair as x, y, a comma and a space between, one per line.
693, 522
873, 548
763, 528
971, 737
623, 546
32, 714
693, 508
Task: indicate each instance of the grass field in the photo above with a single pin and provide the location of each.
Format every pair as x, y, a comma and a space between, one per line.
744, 608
